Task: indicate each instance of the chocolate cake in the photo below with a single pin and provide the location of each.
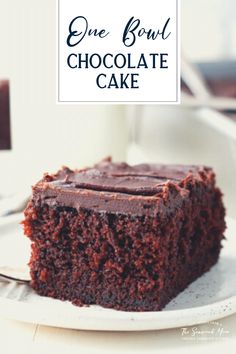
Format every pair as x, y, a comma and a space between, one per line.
124, 237
5, 134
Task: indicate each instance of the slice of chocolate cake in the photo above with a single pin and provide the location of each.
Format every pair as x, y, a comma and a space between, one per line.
124, 237
5, 133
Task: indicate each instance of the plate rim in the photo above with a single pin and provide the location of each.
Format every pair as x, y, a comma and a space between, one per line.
117, 320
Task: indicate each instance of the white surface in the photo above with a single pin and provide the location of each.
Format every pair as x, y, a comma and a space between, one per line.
211, 297
219, 122
45, 135
186, 136
22, 338
208, 29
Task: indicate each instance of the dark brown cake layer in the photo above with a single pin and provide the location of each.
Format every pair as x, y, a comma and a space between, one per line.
124, 237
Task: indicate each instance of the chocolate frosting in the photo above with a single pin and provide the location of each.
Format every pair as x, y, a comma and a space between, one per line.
144, 189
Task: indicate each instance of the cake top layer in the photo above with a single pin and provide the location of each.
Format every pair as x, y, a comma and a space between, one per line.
143, 179
121, 188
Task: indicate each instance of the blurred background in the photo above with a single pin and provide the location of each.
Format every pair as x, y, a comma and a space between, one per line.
45, 136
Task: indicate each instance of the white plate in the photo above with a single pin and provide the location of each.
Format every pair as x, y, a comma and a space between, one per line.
211, 297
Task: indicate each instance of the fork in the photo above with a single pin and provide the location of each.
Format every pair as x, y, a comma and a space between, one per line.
13, 204
18, 275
